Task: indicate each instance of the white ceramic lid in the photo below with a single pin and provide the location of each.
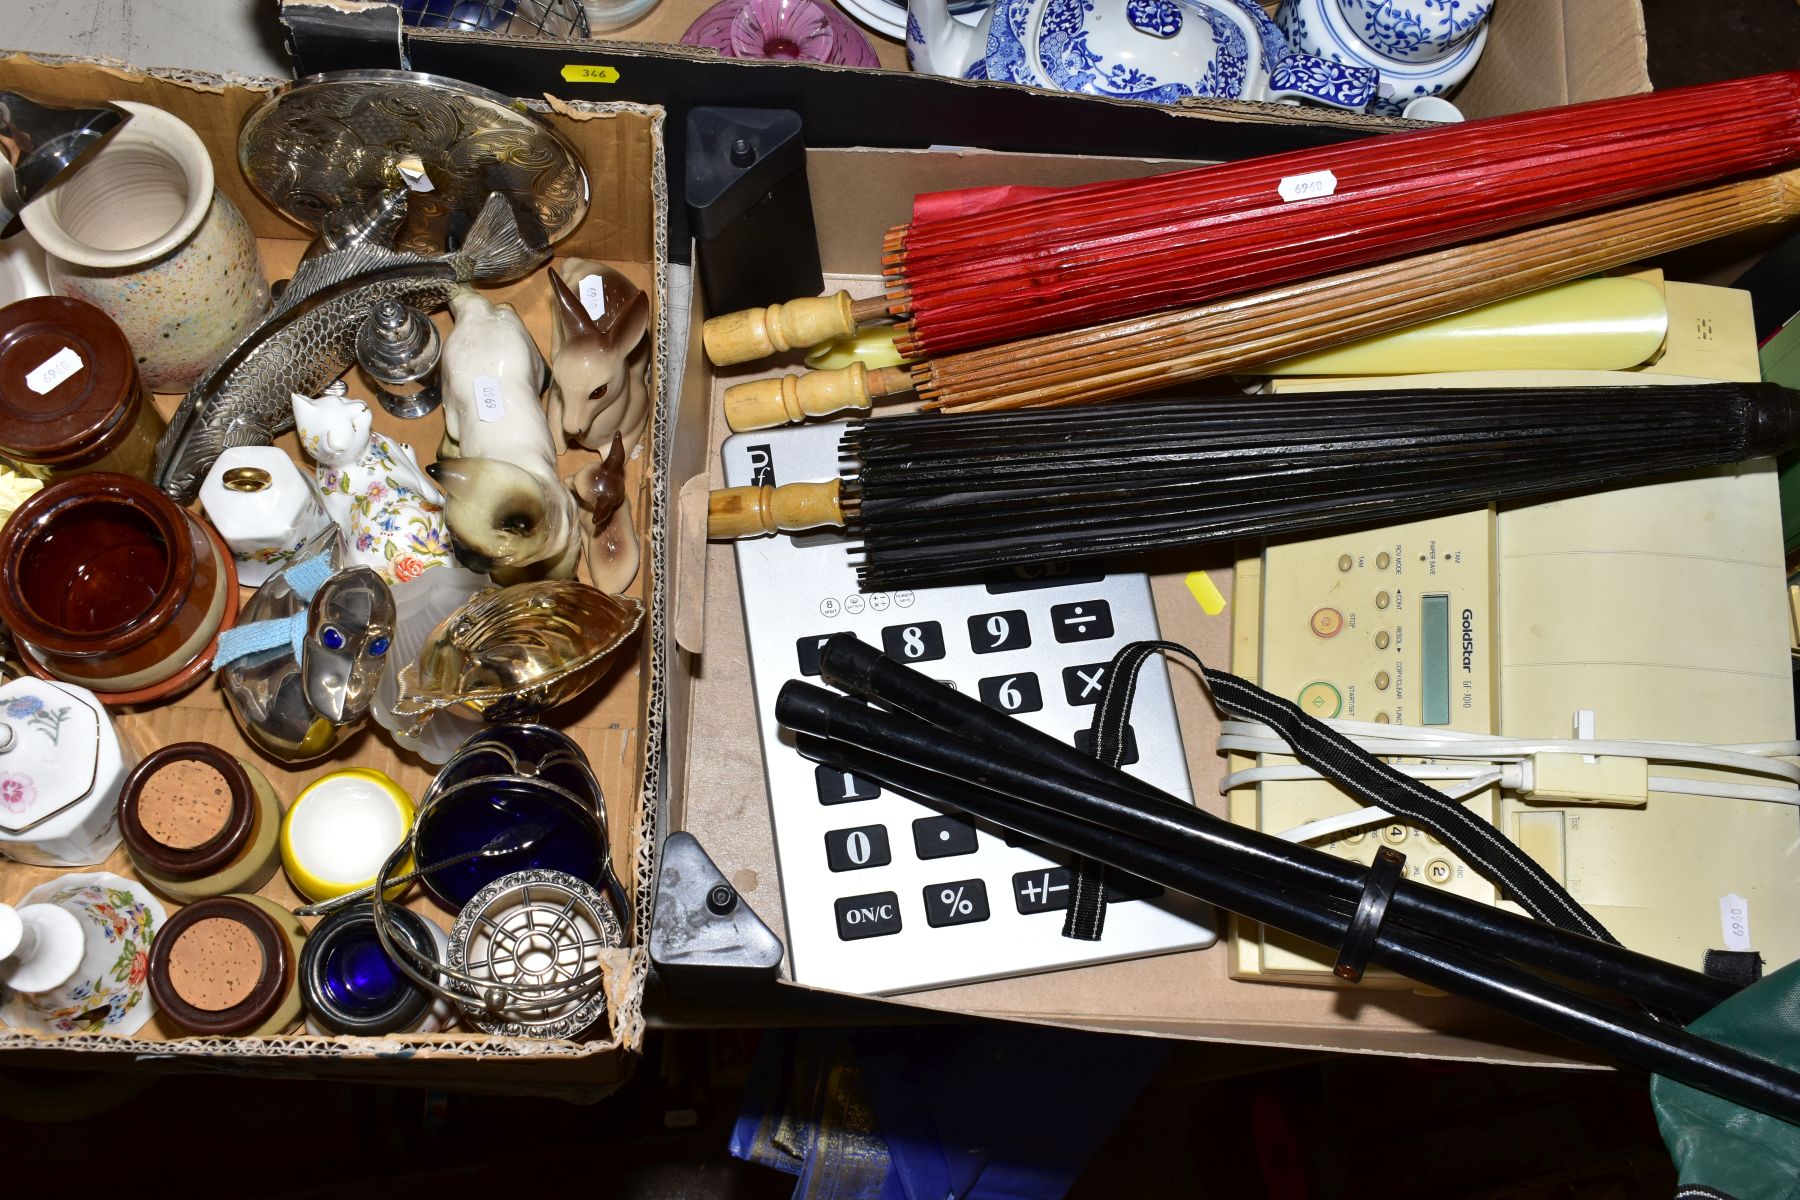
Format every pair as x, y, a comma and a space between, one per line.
47, 949
49, 751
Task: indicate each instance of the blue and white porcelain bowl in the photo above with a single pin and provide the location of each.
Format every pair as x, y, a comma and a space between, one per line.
1419, 47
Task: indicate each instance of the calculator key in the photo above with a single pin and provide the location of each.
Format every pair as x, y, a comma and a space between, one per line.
922, 642
854, 849
1121, 887
1012, 693
1084, 742
991, 633
808, 649
874, 915
1086, 621
1044, 575
1017, 840
943, 837
841, 787
963, 902
1086, 683
1043, 890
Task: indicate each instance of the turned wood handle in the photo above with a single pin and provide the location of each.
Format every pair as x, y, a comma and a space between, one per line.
766, 403
754, 333
753, 511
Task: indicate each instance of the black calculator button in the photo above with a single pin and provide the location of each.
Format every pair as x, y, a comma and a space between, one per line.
841, 787
808, 649
1043, 890
1085, 684
1084, 742
1012, 693
1044, 575
874, 915
854, 849
1083, 621
962, 902
943, 837
992, 633
920, 642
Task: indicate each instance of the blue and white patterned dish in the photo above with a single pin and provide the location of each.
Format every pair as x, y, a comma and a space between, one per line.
1158, 51
1420, 47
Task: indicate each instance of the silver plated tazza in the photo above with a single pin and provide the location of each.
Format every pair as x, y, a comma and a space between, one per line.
525, 955
345, 136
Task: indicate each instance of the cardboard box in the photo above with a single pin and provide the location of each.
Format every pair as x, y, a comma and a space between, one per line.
715, 770
617, 723
1539, 53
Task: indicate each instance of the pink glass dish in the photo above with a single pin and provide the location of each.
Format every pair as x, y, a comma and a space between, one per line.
794, 30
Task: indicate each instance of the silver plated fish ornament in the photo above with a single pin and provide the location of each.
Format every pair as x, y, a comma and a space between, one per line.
309, 339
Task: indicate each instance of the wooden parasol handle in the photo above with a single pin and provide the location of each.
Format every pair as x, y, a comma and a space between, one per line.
754, 511
754, 333
766, 403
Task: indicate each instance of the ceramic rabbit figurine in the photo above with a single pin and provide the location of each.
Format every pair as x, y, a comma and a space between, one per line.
598, 363
391, 514
606, 520
510, 514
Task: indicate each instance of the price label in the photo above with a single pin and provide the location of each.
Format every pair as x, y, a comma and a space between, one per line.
489, 405
589, 73
1308, 186
593, 296
1734, 921
53, 370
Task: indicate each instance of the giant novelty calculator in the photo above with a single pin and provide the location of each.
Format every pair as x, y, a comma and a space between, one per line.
882, 893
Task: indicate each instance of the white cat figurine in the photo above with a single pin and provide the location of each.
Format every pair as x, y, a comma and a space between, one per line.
391, 514
509, 511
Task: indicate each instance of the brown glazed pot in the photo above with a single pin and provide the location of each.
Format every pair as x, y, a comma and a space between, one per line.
239, 856
98, 418
272, 1000
105, 582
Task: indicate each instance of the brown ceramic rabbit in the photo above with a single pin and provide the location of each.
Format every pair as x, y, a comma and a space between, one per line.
605, 517
597, 368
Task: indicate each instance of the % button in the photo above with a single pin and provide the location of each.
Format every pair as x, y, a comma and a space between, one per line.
963, 902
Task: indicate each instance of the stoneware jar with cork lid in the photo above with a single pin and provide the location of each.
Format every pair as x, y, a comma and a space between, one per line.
228, 967
199, 822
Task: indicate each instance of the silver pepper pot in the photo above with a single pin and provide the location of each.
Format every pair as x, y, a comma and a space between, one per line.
399, 346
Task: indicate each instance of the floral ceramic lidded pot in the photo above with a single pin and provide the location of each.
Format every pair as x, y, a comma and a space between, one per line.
75, 956
141, 234
61, 767
1420, 47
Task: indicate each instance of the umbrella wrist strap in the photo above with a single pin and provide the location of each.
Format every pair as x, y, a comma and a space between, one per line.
1356, 772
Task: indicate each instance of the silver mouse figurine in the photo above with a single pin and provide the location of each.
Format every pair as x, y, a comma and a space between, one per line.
301, 668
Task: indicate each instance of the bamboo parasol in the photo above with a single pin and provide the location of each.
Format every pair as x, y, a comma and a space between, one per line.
935, 499
1142, 354
1085, 255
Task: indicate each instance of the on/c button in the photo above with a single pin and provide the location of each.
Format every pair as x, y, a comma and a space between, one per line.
1320, 699
1326, 622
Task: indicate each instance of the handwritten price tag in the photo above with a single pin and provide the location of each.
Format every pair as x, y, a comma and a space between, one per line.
488, 404
1308, 186
1734, 921
53, 370
593, 296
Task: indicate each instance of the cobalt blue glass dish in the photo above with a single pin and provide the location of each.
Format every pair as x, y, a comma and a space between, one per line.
349, 983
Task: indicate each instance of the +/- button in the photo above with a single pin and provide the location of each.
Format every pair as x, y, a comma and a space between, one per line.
1438, 871
1395, 834
1382, 599
1320, 699
1326, 622
1381, 681
1383, 561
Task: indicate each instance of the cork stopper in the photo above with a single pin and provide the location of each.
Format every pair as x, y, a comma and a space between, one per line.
752, 511
215, 964
185, 805
754, 333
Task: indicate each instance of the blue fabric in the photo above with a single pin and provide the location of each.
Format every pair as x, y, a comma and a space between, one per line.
305, 579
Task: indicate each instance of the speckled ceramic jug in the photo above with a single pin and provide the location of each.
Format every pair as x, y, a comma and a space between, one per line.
141, 233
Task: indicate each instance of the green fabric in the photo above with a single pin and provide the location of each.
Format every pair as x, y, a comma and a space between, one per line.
1716, 1143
